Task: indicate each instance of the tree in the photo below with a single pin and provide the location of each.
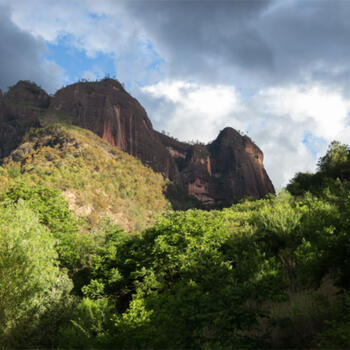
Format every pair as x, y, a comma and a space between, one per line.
185, 283
52, 210
336, 162
30, 280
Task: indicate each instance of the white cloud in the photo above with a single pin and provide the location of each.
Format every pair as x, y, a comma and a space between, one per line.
277, 119
89, 75
293, 113
198, 110
70, 18
95, 73
325, 111
52, 76
284, 150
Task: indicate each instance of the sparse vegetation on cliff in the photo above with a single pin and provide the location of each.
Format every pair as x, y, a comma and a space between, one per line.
94, 177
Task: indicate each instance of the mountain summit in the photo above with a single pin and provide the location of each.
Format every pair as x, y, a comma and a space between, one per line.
218, 174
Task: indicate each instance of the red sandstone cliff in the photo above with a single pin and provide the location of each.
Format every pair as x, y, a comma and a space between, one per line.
109, 111
222, 172
219, 173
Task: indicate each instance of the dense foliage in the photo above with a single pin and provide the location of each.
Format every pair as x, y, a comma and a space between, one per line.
271, 273
334, 165
31, 283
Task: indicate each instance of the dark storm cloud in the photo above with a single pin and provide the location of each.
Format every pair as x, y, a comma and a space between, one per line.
199, 37
309, 39
21, 57
270, 42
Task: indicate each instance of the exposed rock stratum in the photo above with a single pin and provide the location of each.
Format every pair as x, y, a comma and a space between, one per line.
220, 173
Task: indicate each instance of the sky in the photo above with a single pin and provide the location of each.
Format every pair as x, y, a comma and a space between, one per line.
277, 70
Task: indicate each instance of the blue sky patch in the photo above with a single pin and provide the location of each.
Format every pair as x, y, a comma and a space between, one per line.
314, 144
156, 60
77, 64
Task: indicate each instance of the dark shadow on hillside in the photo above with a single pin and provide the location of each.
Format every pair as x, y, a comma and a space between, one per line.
179, 199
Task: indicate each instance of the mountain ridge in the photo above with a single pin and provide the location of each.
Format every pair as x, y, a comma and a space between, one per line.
218, 174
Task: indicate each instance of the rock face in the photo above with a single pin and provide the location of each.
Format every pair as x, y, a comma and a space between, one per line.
217, 174
238, 166
20, 109
223, 172
109, 111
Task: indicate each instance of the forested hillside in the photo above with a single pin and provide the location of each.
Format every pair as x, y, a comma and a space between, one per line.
94, 177
269, 273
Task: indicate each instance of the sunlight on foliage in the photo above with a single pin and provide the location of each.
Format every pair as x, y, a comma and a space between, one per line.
94, 177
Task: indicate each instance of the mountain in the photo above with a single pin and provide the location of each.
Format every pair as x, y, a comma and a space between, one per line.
20, 109
94, 177
222, 172
217, 174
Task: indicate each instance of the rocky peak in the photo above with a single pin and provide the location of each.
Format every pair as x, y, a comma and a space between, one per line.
231, 138
228, 134
109, 111
82, 100
109, 83
218, 174
238, 163
26, 92
20, 109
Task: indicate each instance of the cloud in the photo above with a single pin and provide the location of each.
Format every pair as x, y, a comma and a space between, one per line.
297, 117
324, 112
250, 44
82, 26
21, 57
203, 40
92, 75
195, 112
247, 43
292, 125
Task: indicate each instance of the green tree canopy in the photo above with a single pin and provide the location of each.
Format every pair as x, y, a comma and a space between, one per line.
336, 162
30, 280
